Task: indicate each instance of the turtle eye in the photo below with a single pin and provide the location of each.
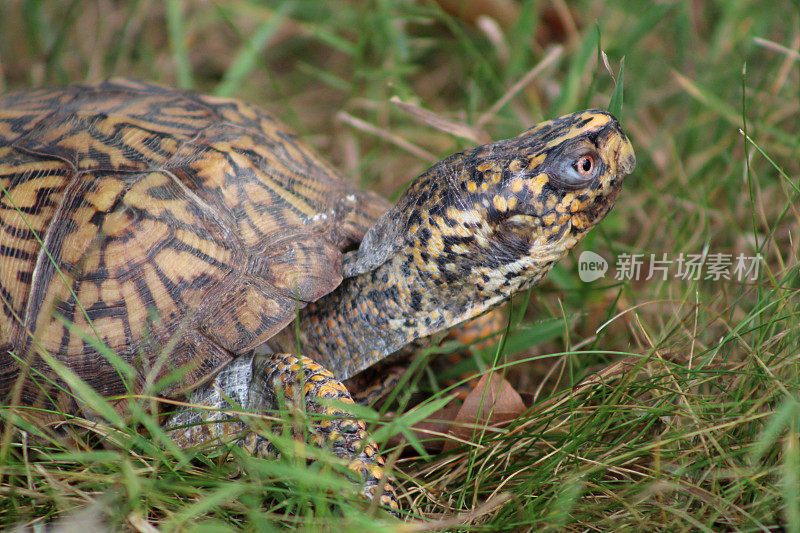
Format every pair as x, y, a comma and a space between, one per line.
574, 166
580, 169
584, 165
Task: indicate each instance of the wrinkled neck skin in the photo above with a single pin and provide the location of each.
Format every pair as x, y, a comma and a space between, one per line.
378, 312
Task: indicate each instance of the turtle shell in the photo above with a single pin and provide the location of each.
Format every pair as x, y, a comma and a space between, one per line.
176, 229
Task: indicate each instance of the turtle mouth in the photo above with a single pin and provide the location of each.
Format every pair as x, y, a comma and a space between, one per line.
595, 210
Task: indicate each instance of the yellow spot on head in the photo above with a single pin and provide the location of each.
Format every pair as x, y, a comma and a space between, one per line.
472, 187
596, 121
535, 161
515, 165
499, 203
536, 184
516, 186
577, 205
512, 203
496, 177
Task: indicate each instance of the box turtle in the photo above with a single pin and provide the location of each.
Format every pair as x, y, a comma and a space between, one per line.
187, 232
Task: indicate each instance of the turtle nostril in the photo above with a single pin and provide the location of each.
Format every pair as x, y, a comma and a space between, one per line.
630, 163
626, 159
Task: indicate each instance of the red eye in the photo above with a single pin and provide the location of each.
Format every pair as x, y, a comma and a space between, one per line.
584, 165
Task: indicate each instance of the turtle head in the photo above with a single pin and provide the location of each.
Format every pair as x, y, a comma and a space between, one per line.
470, 232
542, 190
512, 205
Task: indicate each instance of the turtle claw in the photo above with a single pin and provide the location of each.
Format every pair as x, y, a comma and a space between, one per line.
305, 382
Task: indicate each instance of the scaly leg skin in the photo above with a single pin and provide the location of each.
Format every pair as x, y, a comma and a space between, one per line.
481, 328
252, 382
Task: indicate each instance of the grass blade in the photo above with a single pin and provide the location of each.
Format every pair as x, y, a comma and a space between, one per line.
177, 41
615, 105
248, 55
83, 391
570, 93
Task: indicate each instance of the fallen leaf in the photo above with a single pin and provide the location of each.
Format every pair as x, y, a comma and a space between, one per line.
492, 403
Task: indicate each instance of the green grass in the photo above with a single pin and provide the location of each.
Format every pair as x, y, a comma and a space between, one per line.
660, 404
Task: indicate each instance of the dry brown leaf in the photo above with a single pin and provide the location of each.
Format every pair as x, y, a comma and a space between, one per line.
492, 403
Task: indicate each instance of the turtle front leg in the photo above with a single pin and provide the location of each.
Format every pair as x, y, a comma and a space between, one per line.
254, 383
